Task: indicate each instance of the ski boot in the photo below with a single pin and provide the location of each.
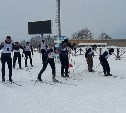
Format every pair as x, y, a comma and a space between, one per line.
66, 75
106, 75
10, 80
20, 67
91, 70
109, 74
3, 79
54, 80
62, 75
39, 78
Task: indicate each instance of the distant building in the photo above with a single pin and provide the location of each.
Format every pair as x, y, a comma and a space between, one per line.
90, 44
109, 42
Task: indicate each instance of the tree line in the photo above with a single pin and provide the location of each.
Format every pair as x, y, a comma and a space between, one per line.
36, 40
84, 33
87, 34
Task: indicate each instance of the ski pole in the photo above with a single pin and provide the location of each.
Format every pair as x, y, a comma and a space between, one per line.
87, 69
97, 66
78, 66
83, 71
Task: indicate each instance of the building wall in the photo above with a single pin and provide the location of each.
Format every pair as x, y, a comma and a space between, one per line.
110, 42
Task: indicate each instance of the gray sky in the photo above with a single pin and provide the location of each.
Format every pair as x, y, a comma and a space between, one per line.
97, 15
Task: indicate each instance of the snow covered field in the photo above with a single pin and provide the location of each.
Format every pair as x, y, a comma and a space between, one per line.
84, 92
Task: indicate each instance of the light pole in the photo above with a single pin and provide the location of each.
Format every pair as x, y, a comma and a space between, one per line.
58, 18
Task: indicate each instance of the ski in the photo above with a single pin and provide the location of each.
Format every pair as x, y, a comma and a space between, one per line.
29, 68
113, 76
18, 69
3, 82
71, 78
36, 81
54, 83
10, 82
15, 83
66, 83
78, 79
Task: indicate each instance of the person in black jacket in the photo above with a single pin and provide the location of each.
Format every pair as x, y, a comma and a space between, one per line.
104, 62
64, 57
7, 48
28, 50
89, 57
49, 54
17, 54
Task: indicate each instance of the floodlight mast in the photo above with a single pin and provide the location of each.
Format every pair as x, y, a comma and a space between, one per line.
58, 18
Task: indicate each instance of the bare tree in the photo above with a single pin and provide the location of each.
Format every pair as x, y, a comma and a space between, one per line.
103, 35
23, 42
49, 39
82, 34
74, 35
36, 40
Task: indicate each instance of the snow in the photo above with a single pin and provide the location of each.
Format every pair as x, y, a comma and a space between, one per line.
93, 92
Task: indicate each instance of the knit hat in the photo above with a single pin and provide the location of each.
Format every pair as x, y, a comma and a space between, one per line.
66, 41
8, 37
94, 46
111, 50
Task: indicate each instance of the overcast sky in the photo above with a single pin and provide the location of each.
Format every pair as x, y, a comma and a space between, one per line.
97, 15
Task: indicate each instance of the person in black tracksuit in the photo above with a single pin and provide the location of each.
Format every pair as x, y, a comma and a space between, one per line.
28, 50
64, 58
89, 57
49, 54
17, 54
7, 48
104, 62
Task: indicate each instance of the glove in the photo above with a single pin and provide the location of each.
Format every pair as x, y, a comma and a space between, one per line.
2, 43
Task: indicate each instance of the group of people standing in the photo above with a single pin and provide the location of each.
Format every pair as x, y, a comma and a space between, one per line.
7, 48
48, 55
103, 59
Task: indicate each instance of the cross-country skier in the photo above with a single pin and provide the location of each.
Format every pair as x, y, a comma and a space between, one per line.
28, 50
64, 57
43, 47
17, 54
104, 62
49, 54
7, 48
89, 57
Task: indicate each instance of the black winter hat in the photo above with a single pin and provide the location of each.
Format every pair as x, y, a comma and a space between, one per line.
94, 46
66, 41
43, 41
27, 42
111, 50
8, 37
